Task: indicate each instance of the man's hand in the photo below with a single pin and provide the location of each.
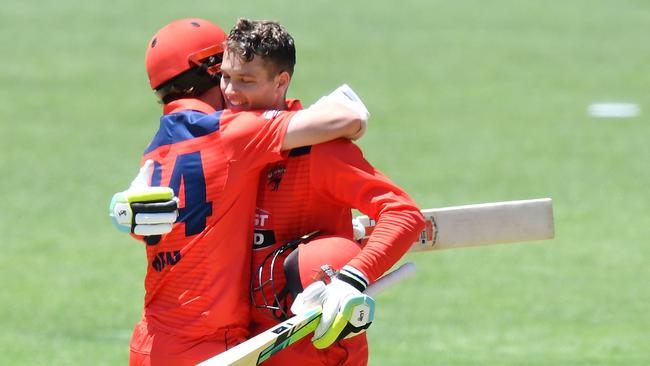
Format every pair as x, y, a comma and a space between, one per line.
142, 209
346, 310
346, 96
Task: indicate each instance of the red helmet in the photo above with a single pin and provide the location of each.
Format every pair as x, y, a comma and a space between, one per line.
310, 262
182, 45
314, 260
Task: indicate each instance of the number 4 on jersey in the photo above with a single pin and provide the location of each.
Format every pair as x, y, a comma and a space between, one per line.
188, 171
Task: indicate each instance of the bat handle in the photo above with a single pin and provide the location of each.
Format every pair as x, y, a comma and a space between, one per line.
390, 279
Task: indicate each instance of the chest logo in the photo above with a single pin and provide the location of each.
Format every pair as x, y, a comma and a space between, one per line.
275, 175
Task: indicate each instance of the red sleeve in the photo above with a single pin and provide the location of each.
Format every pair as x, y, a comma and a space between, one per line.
342, 173
255, 137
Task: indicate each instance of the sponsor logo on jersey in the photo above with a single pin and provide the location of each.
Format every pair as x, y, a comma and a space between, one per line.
263, 239
262, 219
264, 235
164, 259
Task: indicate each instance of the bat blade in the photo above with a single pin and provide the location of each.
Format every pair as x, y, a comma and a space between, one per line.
482, 224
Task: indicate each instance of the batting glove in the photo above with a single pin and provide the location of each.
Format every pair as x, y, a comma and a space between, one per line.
358, 229
142, 209
346, 311
346, 96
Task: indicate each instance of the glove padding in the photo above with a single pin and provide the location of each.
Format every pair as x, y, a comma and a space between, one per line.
346, 96
346, 311
142, 209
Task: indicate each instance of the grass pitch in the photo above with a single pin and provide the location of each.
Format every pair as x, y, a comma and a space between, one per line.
471, 102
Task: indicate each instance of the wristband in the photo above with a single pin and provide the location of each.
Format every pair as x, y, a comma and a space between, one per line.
353, 277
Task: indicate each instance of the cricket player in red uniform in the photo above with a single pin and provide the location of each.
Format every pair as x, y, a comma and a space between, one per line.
197, 302
315, 188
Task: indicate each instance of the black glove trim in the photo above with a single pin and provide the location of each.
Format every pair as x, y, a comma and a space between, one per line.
352, 279
154, 207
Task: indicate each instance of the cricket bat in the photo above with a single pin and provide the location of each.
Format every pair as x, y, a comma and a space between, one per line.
481, 224
446, 228
259, 348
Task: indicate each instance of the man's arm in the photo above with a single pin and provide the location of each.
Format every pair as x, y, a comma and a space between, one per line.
345, 176
321, 123
339, 114
342, 173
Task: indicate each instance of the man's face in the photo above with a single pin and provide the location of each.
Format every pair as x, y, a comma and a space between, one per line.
249, 85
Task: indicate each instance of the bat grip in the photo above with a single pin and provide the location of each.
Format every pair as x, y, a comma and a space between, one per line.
390, 279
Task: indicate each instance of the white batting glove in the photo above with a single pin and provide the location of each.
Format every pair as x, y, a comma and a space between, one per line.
346, 310
311, 297
359, 229
142, 209
346, 96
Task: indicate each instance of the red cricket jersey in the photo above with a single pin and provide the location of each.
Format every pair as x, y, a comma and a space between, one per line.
198, 274
315, 188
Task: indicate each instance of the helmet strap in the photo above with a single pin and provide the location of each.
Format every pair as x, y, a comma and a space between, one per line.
193, 82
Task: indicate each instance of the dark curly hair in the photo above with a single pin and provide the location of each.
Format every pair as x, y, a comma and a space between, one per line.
266, 39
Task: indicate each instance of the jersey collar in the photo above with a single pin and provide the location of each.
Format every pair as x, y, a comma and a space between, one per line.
293, 105
184, 104
201, 106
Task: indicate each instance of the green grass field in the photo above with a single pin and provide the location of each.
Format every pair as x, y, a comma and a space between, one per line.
472, 101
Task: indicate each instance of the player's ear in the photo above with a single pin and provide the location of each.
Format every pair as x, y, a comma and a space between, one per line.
283, 80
